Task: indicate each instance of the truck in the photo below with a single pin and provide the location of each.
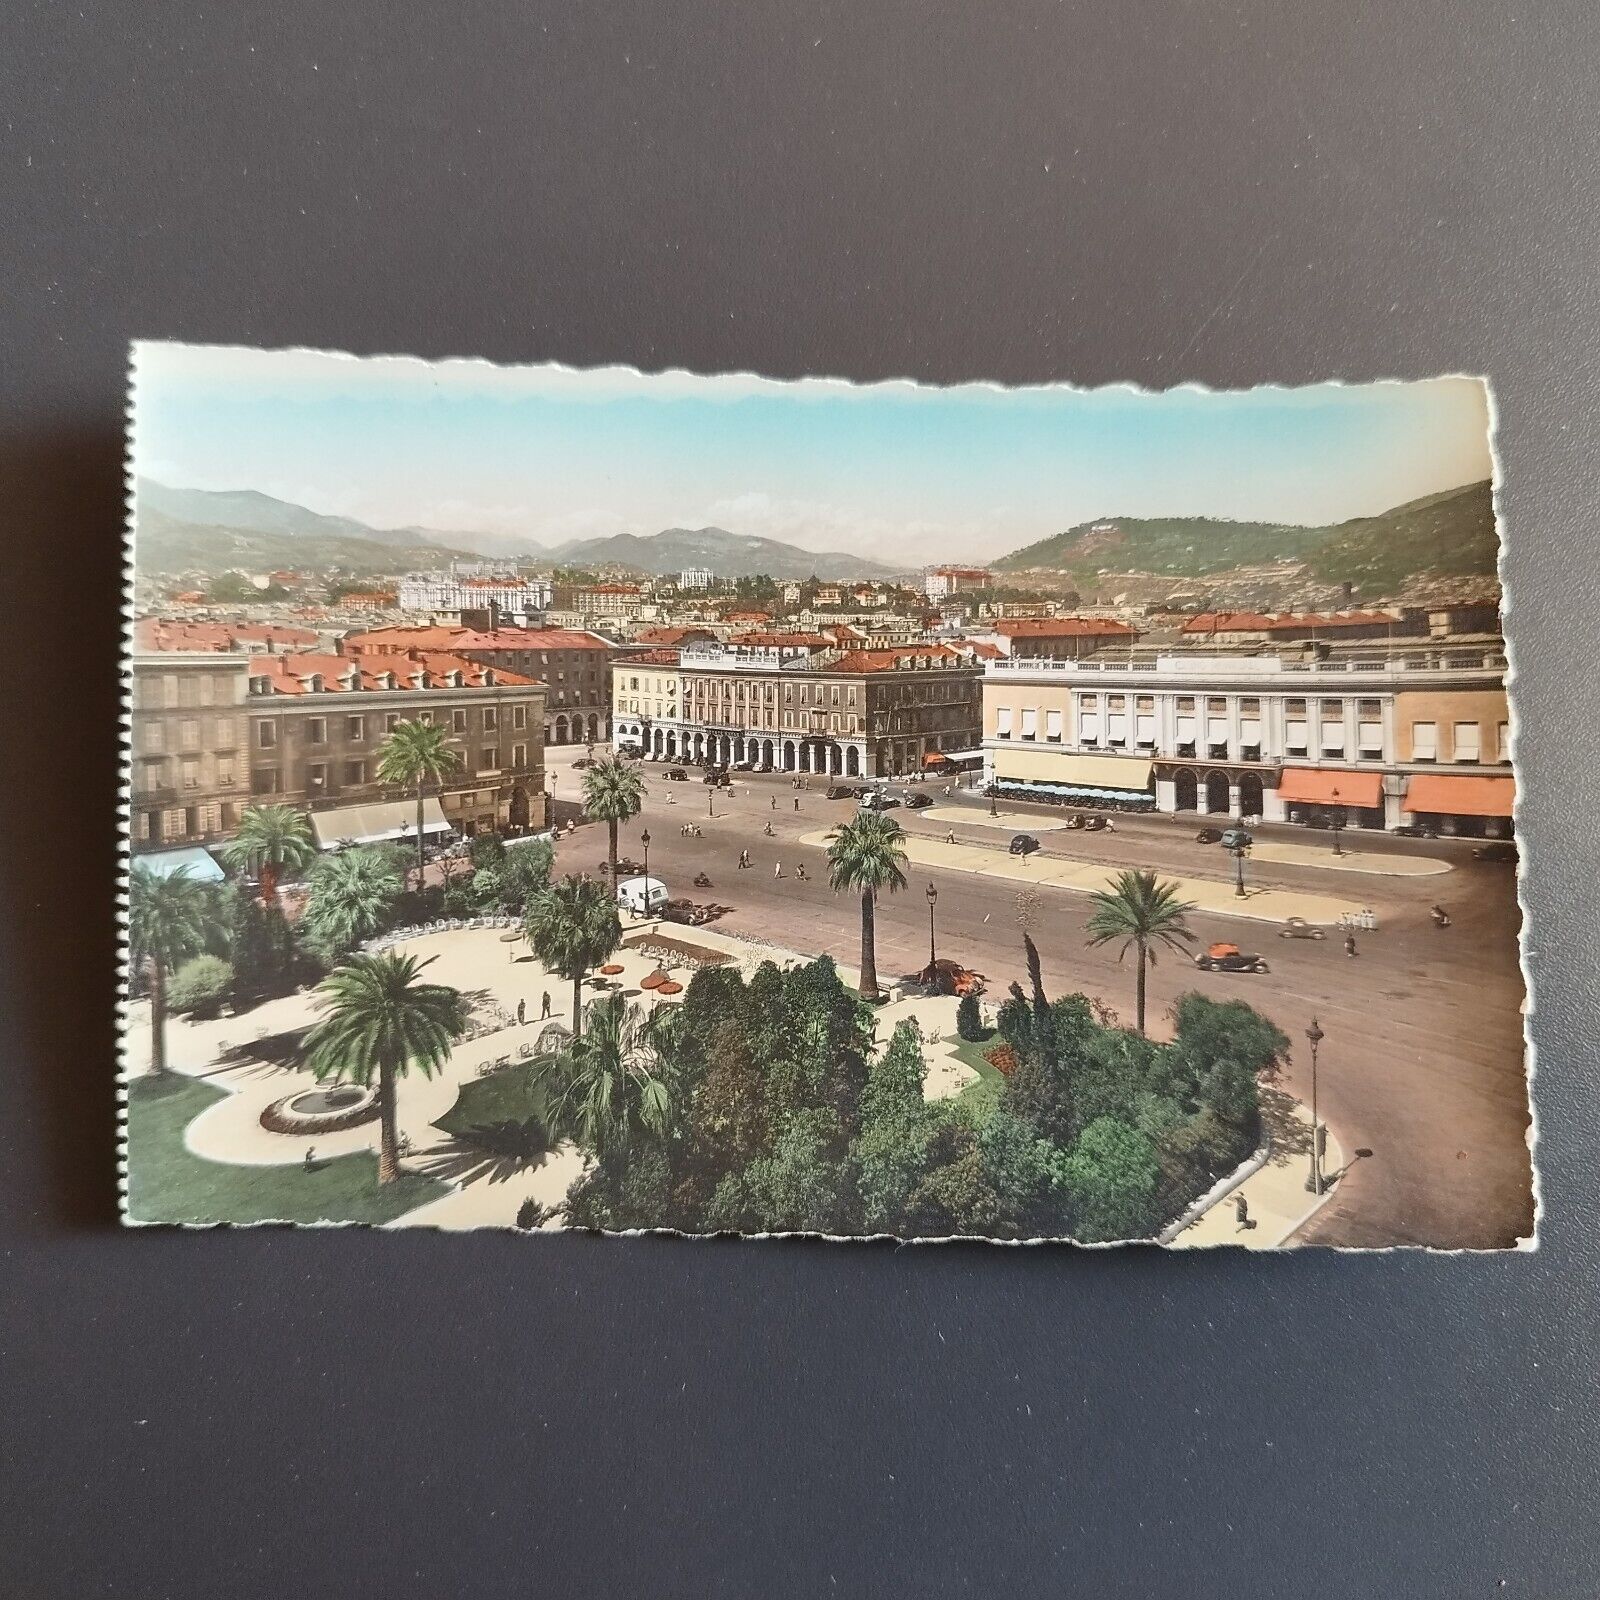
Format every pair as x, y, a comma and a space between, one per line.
642, 897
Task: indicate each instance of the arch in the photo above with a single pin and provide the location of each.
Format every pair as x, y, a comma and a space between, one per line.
594, 728
1251, 792
852, 762
561, 730
1185, 791
788, 755
1217, 793
517, 812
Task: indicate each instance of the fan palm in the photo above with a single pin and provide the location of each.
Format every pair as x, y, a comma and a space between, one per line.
271, 840
1142, 913
416, 754
865, 855
166, 925
572, 927
613, 792
352, 896
379, 1023
607, 1088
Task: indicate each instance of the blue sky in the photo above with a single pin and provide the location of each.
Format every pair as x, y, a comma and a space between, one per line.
894, 471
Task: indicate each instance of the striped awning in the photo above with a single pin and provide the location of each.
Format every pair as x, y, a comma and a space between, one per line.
377, 823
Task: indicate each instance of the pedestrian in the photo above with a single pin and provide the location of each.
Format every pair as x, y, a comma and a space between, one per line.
774, 802
1349, 943
544, 1007
797, 802
522, 1012
950, 838
1241, 1209
311, 1159
777, 869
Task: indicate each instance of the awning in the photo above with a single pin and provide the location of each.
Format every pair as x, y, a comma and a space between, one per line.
376, 823
1440, 794
963, 755
191, 861
1332, 786
1085, 772
935, 758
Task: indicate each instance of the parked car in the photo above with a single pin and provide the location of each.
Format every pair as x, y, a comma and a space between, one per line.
582, 762
841, 791
1299, 928
1236, 839
1497, 850
1023, 844
744, 766
677, 775
918, 802
1415, 830
878, 800
1209, 836
717, 780
1094, 824
1228, 958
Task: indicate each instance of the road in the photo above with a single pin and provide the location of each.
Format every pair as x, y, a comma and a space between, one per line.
1422, 1060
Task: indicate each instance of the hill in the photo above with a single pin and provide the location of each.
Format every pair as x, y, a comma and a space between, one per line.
729, 555
1450, 534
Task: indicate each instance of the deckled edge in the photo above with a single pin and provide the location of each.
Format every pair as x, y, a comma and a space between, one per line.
1526, 1244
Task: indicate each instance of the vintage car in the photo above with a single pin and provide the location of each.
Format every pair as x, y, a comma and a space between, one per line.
918, 802
1299, 928
1415, 830
677, 775
841, 791
1209, 836
1023, 844
1236, 839
1228, 958
1497, 850
716, 778
1094, 824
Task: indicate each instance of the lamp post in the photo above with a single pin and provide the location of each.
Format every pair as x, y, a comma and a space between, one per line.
1315, 1036
933, 953
1237, 850
1336, 822
644, 839
994, 810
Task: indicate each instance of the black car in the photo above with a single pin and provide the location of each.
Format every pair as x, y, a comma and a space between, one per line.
677, 775
1023, 844
1499, 850
717, 780
1229, 958
1415, 830
1208, 836
841, 791
918, 802
582, 762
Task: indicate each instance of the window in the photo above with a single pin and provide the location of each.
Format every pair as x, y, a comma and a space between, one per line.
1002, 722
264, 782
490, 761
1424, 741
458, 721
391, 722
519, 756
1052, 726
316, 730
1466, 742
191, 774
1295, 732
225, 774
1117, 728
155, 737
1369, 733
317, 775
266, 736
355, 729
1089, 729
355, 772
1503, 738
1030, 724
519, 717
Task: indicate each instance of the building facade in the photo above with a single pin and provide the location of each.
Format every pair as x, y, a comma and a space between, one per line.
474, 590
937, 582
189, 763
1271, 736
646, 702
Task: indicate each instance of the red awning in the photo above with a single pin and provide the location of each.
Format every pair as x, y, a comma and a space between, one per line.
1443, 795
1331, 786
934, 758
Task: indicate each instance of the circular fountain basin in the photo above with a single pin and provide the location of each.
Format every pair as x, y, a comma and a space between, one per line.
327, 1110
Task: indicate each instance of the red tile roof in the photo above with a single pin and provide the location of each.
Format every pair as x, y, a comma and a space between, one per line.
1064, 628
163, 633
891, 659
383, 640
776, 641
287, 674
654, 658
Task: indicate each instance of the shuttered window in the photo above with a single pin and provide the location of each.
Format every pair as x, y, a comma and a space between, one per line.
1424, 741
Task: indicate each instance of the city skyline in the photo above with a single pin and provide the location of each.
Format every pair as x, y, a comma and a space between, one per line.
903, 474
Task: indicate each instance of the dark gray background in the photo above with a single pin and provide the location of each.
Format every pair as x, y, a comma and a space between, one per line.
1225, 192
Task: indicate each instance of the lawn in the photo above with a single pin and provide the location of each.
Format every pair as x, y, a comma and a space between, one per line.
167, 1182
982, 1096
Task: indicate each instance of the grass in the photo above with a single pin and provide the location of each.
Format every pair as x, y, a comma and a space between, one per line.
508, 1096
167, 1182
981, 1096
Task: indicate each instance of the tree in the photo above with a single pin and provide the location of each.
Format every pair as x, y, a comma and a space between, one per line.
524, 873
607, 1089
199, 986
969, 1018
572, 927
613, 791
381, 1022
166, 925
353, 896
1142, 913
416, 754
271, 840
260, 947
866, 856
1110, 1180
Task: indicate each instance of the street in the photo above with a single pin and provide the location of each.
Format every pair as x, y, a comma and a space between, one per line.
1420, 1072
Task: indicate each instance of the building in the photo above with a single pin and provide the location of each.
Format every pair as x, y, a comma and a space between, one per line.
1367, 738
316, 726
697, 578
799, 703
622, 600
1056, 638
646, 700
188, 765
1251, 627
937, 582
574, 665
248, 638
473, 588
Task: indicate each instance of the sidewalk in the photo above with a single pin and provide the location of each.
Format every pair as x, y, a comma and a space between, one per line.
1276, 1196
1082, 877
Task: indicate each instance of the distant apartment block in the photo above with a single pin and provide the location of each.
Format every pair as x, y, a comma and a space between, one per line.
937, 582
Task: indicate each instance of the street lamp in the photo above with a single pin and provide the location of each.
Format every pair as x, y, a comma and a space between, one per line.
1315, 1036
933, 954
644, 839
994, 809
1237, 850
1336, 822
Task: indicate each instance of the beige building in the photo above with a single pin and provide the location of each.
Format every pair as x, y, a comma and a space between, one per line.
646, 700
188, 767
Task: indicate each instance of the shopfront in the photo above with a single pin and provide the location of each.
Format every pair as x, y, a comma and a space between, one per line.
1477, 806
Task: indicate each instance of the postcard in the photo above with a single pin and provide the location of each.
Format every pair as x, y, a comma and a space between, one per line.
707, 804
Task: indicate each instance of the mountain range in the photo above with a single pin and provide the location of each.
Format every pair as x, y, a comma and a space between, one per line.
180, 529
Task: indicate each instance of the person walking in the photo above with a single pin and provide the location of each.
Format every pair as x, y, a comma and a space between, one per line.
950, 838
797, 802
522, 1012
311, 1158
774, 802
1241, 1209
777, 869
1349, 942
544, 1007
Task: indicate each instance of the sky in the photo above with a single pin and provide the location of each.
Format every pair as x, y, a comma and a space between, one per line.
895, 472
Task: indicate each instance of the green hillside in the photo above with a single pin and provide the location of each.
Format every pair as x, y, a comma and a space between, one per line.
166, 544
1182, 546
1450, 534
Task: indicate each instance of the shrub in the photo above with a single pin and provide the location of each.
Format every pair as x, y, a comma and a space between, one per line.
486, 850
530, 1214
969, 1017
1110, 1180
458, 900
200, 986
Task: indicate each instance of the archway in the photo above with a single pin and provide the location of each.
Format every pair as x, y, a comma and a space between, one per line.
1251, 803
852, 762
1217, 793
1185, 791
788, 755
594, 729
561, 730
517, 812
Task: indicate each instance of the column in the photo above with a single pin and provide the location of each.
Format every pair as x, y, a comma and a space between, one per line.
1202, 799
1233, 798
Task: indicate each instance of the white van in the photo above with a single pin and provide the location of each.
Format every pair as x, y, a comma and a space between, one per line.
643, 897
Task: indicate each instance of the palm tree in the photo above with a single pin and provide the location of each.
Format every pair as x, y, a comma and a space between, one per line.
352, 895
271, 840
572, 927
380, 1022
866, 855
166, 925
1143, 913
613, 791
607, 1088
414, 754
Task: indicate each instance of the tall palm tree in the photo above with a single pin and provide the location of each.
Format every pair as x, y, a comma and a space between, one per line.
572, 927
1141, 913
865, 855
167, 919
271, 840
607, 1088
413, 755
380, 1022
352, 894
613, 792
